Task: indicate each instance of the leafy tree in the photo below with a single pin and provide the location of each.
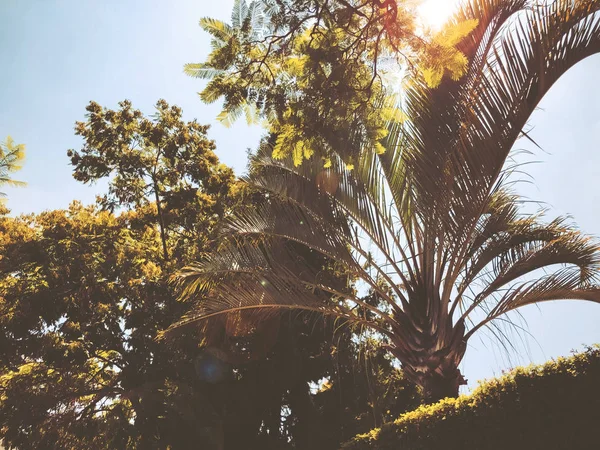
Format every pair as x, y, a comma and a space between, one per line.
82, 302
11, 157
316, 69
77, 366
429, 224
85, 292
162, 160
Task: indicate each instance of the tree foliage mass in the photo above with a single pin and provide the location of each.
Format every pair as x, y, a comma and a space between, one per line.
85, 293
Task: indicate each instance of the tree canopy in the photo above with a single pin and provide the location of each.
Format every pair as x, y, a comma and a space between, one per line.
333, 287
85, 293
318, 72
161, 160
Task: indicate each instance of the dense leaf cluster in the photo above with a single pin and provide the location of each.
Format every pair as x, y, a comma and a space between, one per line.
85, 293
163, 161
551, 406
318, 71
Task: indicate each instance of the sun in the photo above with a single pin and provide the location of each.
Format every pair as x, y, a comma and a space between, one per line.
434, 13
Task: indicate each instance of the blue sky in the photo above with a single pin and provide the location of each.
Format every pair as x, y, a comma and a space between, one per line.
57, 55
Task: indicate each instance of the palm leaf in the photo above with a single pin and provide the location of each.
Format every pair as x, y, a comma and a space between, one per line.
202, 71
217, 28
239, 13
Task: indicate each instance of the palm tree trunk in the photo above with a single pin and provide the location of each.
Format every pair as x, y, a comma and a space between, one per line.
431, 361
438, 377
437, 386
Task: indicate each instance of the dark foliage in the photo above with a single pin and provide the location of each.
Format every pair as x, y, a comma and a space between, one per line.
85, 292
552, 406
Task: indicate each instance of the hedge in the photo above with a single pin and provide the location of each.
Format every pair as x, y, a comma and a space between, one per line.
551, 406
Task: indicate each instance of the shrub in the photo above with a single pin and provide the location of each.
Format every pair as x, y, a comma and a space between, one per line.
551, 406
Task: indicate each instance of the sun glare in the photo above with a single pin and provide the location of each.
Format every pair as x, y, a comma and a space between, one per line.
434, 13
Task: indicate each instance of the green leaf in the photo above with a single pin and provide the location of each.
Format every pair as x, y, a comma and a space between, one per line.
217, 28
239, 13
202, 71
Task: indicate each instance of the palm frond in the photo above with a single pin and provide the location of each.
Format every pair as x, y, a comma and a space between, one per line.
258, 18
217, 28
202, 71
563, 285
239, 13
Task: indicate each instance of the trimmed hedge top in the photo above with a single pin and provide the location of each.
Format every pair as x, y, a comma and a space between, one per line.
551, 406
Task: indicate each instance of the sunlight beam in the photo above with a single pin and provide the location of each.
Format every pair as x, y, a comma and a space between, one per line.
434, 13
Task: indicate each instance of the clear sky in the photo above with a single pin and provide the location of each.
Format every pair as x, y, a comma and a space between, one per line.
57, 55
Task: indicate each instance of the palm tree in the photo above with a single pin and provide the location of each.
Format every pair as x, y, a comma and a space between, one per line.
430, 226
11, 157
